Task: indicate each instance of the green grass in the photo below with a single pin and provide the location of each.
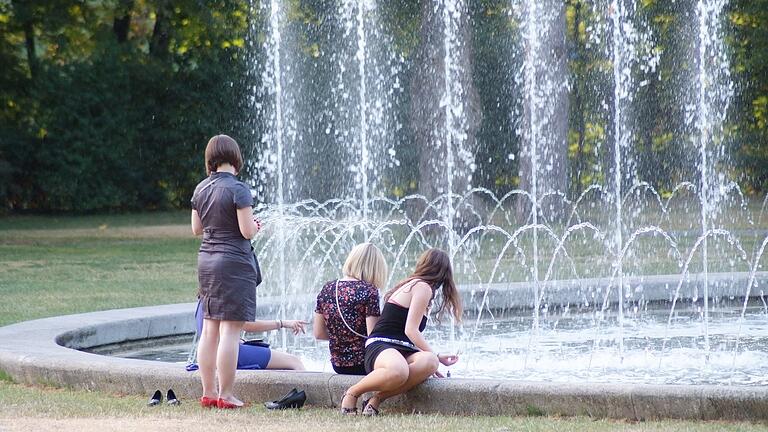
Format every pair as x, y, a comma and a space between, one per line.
52, 266
26, 222
45, 272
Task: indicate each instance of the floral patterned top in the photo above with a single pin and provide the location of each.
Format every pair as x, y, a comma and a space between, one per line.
357, 300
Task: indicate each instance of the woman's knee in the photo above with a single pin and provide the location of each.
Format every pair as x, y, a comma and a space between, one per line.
280, 360
396, 376
428, 361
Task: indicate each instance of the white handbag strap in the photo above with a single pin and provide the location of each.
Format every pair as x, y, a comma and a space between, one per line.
338, 308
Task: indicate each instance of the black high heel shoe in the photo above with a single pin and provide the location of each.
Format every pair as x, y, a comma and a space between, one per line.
293, 399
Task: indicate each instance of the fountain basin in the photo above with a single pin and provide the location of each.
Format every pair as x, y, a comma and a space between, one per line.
578, 340
41, 352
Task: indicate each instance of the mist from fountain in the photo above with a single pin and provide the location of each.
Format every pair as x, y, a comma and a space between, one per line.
714, 94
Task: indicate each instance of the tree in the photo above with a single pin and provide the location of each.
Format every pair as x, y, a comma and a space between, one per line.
545, 112
428, 95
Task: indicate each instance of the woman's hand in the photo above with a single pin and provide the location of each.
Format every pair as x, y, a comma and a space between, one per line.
257, 222
296, 326
448, 359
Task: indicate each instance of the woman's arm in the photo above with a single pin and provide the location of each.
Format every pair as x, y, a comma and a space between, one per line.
318, 328
245, 220
421, 294
197, 224
370, 323
257, 326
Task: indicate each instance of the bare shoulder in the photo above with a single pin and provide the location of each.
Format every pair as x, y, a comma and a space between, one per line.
422, 287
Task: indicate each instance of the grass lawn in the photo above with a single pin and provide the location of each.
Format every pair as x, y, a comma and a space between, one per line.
44, 409
55, 266
51, 266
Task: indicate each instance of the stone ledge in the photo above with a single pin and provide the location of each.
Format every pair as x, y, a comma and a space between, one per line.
30, 352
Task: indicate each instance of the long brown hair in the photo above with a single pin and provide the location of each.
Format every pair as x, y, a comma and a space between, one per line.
434, 268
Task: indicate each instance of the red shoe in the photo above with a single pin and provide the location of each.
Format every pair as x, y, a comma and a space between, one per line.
224, 404
207, 402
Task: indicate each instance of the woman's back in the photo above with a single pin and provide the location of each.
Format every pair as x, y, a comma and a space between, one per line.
216, 200
392, 322
357, 300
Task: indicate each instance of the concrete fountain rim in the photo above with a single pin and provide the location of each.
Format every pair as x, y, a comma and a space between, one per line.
40, 352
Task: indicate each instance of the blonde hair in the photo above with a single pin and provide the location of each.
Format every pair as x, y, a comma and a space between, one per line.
366, 263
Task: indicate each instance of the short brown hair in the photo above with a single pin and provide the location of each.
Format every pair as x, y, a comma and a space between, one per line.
222, 149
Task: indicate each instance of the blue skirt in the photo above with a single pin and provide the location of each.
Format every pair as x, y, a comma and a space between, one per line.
249, 357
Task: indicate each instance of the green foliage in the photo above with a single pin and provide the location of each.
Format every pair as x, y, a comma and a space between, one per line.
494, 38
95, 122
749, 42
108, 104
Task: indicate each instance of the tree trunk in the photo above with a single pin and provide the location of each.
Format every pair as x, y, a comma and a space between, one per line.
158, 44
429, 119
550, 110
23, 11
579, 90
122, 21
29, 43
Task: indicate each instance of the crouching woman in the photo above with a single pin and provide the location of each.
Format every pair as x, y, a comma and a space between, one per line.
397, 357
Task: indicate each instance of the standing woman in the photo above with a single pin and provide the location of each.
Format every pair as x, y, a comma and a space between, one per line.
348, 308
226, 268
397, 357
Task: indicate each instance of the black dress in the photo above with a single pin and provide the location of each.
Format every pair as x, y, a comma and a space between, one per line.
226, 268
389, 332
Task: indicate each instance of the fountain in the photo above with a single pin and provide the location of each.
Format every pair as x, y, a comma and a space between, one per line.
629, 312
654, 297
634, 290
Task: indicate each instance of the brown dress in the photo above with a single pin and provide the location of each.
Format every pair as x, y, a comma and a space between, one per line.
226, 268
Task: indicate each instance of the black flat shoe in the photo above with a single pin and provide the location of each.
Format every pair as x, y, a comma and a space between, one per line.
171, 398
294, 399
156, 398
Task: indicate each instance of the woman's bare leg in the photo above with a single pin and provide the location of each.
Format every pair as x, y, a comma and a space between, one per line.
390, 371
226, 358
421, 366
206, 356
281, 360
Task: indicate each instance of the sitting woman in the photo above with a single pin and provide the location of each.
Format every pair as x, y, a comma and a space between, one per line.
252, 357
348, 308
397, 357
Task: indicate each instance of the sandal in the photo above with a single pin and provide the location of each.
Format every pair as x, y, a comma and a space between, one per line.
368, 409
348, 411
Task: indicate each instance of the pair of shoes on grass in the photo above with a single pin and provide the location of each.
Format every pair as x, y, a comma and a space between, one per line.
157, 398
292, 399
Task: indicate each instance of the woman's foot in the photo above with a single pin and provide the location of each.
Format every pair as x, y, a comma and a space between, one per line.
232, 403
208, 402
350, 407
371, 407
